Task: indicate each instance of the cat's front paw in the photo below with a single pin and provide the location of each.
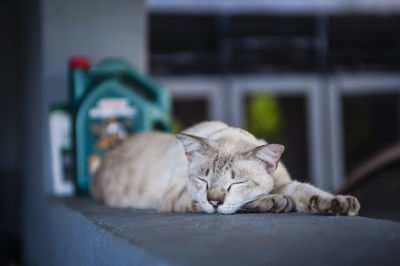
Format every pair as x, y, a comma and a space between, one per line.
347, 205
270, 203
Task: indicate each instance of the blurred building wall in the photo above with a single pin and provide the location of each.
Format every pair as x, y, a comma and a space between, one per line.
52, 32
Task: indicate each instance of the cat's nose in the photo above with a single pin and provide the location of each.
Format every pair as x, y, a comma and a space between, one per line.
215, 203
215, 197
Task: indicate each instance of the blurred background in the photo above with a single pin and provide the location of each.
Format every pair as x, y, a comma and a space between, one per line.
321, 78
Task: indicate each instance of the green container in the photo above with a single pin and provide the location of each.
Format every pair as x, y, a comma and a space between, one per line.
111, 101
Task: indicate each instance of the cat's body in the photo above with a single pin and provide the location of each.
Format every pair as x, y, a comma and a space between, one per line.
210, 168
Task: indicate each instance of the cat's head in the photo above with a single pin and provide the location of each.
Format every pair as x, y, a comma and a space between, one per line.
222, 179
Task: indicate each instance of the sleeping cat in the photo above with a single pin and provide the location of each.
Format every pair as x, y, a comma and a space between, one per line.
209, 167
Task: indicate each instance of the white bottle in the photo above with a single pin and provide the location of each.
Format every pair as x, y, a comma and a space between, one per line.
60, 144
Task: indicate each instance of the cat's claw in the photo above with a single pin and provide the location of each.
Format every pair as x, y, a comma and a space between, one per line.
336, 205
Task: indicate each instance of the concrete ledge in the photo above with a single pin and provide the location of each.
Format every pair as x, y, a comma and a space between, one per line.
92, 234
78, 238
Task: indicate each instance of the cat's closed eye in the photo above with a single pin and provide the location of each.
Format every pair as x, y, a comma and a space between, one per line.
204, 181
236, 183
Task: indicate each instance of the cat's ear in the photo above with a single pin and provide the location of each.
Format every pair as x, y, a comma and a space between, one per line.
270, 154
196, 146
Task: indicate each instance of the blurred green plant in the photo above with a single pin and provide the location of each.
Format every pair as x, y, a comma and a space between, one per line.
264, 117
177, 125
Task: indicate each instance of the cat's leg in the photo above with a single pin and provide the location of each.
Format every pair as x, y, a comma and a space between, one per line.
178, 199
270, 203
308, 198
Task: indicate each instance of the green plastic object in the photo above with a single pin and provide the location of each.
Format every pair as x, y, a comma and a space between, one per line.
109, 102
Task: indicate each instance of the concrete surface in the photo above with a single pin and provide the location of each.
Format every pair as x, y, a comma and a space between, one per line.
151, 238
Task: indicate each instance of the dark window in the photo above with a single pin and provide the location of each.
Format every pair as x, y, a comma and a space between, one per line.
364, 43
188, 112
262, 44
212, 44
371, 124
182, 44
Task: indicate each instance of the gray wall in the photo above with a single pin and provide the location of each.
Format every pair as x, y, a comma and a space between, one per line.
53, 30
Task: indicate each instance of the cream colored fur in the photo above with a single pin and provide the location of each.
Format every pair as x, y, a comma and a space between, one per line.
210, 167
